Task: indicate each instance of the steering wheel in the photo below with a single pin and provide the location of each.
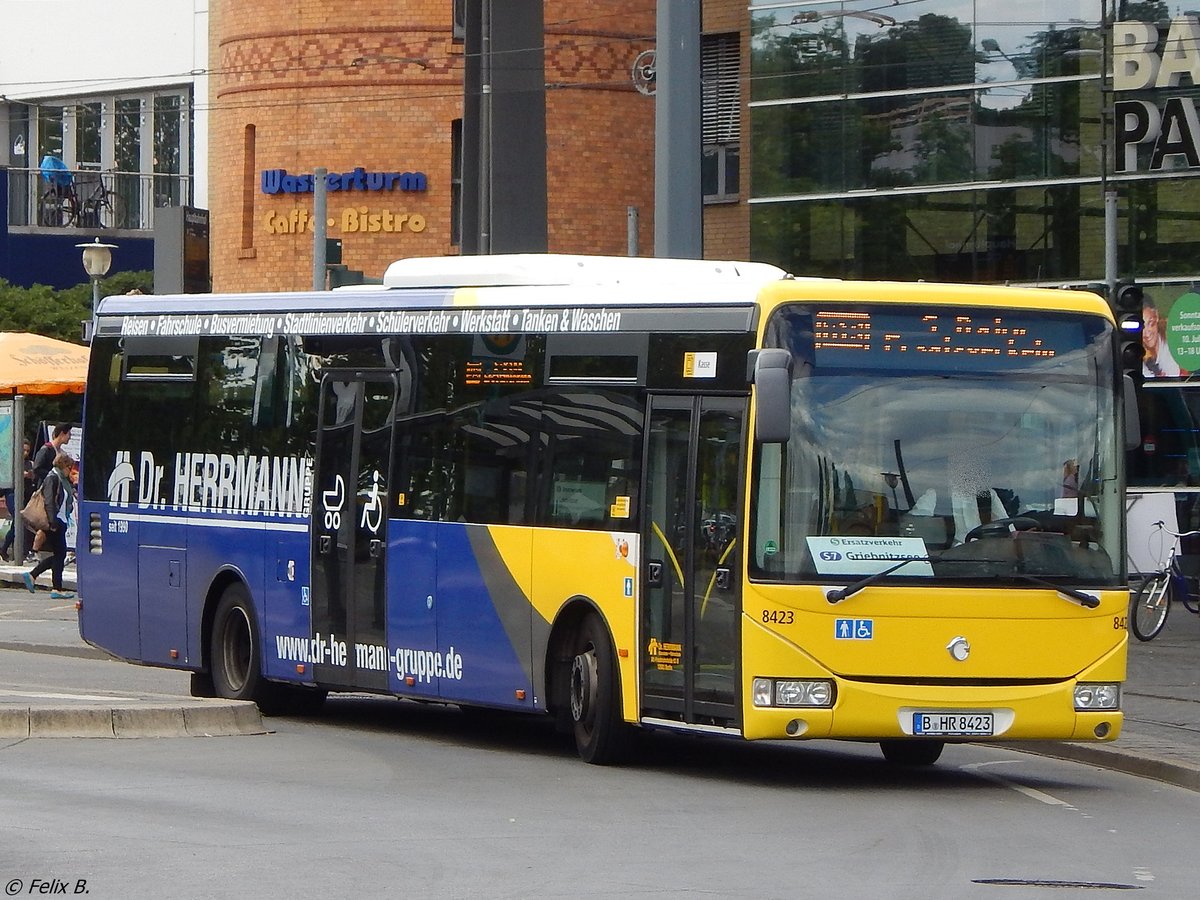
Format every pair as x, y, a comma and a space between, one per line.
1001, 527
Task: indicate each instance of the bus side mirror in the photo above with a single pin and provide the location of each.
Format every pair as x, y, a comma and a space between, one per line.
771, 374
1133, 424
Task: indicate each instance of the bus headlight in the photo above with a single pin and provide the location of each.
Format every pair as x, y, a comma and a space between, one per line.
792, 692
1097, 696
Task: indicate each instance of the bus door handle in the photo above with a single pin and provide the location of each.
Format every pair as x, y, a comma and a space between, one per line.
654, 573
375, 548
324, 543
724, 578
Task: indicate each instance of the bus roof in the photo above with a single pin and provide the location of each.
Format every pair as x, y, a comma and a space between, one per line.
529, 269
548, 280
528, 280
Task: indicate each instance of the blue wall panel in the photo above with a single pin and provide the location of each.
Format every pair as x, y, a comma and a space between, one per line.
51, 257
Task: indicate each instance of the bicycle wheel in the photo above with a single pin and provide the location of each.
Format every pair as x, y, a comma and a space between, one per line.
108, 207
1150, 606
55, 211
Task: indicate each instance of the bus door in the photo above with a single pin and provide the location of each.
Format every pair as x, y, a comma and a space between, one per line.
349, 530
690, 594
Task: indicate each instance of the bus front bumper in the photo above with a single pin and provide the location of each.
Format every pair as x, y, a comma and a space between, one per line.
882, 711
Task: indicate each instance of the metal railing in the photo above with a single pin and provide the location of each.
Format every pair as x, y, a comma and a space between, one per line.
93, 199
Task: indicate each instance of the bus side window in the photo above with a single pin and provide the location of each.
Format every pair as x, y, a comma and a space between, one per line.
592, 461
489, 448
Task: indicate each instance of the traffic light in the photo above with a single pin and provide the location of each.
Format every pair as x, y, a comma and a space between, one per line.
1128, 304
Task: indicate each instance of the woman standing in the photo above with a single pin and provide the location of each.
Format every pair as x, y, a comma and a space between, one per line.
60, 508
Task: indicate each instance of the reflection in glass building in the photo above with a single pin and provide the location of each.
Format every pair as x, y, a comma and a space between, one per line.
975, 141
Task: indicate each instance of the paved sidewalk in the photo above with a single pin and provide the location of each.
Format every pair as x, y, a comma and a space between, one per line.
1161, 736
1160, 739
99, 714
10, 573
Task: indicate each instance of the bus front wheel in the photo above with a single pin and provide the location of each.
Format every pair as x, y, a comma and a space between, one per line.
601, 735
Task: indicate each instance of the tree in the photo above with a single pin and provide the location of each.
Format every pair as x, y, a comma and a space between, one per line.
59, 314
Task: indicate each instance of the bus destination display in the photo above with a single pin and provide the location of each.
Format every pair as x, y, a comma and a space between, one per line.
986, 339
496, 371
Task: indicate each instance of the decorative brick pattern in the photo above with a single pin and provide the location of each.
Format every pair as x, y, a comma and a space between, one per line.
377, 84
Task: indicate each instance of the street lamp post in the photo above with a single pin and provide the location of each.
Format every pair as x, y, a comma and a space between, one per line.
97, 257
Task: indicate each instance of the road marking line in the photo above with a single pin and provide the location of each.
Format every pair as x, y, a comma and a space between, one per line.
50, 696
1032, 793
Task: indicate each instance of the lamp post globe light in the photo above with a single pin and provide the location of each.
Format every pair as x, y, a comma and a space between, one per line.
97, 258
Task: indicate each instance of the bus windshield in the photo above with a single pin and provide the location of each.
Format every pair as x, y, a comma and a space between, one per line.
978, 443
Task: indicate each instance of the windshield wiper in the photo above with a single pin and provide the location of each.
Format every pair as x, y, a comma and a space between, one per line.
840, 594
1079, 597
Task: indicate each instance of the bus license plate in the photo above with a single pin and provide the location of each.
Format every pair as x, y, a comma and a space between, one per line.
943, 724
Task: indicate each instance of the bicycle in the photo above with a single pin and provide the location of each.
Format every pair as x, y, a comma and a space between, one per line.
61, 207
1151, 603
100, 209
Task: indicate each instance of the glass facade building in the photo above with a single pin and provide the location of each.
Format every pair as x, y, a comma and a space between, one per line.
950, 140
954, 140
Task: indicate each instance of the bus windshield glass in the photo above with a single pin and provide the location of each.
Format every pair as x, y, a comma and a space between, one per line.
978, 443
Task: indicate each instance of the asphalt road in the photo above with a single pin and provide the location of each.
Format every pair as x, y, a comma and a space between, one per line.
378, 797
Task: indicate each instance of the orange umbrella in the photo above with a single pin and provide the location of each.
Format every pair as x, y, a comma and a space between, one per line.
32, 364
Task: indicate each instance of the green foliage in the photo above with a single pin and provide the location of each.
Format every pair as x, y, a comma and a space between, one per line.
59, 314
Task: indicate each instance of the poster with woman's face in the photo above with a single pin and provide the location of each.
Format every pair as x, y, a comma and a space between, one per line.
1171, 335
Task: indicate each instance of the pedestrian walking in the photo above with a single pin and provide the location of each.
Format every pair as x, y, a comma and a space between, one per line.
59, 495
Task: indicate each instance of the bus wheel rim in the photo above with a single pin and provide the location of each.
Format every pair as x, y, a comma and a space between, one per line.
583, 686
237, 649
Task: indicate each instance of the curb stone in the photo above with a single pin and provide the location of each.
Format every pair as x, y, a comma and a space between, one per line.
209, 718
1144, 765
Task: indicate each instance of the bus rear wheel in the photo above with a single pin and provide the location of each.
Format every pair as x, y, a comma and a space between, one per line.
912, 753
236, 663
601, 735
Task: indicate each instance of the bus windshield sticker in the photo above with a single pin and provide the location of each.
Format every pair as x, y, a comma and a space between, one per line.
868, 555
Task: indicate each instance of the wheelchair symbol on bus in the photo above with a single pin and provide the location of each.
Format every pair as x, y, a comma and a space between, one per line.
331, 502
372, 514
854, 629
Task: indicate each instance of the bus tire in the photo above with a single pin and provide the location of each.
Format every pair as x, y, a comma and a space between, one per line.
601, 735
236, 662
912, 752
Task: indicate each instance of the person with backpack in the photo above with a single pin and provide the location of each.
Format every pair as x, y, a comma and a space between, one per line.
43, 462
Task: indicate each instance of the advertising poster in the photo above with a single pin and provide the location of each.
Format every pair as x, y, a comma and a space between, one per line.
6, 444
1171, 333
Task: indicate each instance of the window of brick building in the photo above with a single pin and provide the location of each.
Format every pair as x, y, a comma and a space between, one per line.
721, 116
456, 178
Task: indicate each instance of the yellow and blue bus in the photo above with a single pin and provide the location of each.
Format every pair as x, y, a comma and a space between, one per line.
624, 493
